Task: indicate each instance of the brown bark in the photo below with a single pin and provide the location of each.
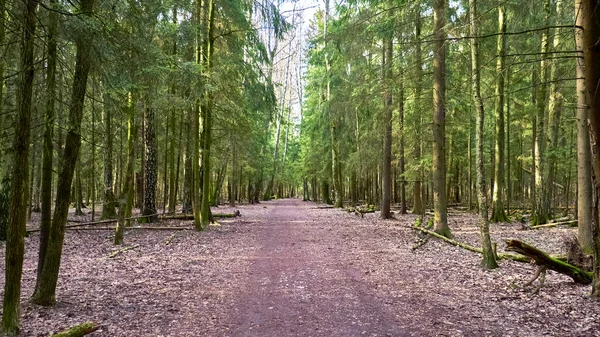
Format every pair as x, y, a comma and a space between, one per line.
489, 259
151, 169
418, 188
439, 121
15, 240
584, 166
48, 148
591, 51
387, 131
45, 292
498, 213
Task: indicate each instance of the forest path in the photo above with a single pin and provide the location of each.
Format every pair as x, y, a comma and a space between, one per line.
303, 283
292, 268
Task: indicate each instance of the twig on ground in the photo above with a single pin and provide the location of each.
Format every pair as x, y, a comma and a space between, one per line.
115, 253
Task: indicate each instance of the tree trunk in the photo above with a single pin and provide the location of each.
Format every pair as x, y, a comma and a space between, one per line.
48, 147
207, 114
195, 126
108, 206
541, 212
498, 213
440, 204
584, 165
554, 113
15, 240
489, 259
418, 188
387, 127
45, 293
151, 169
93, 168
126, 197
79, 206
172, 194
188, 174
591, 51
402, 161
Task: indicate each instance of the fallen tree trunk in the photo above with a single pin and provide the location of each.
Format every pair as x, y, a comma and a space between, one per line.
543, 259
122, 250
163, 228
503, 256
177, 216
554, 224
78, 330
191, 216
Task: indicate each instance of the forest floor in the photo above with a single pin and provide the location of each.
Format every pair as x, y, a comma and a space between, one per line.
293, 268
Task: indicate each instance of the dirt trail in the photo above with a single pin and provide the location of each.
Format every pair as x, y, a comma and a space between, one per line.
300, 285
293, 268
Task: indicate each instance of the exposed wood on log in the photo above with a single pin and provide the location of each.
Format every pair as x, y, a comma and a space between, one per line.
191, 216
169, 239
539, 272
554, 224
543, 259
78, 330
122, 250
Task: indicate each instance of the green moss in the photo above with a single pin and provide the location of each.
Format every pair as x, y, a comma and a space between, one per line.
78, 330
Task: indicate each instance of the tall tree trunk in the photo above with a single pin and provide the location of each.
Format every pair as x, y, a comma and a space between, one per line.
508, 160
78, 190
334, 121
233, 176
151, 169
418, 185
387, 127
554, 113
172, 195
45, 292
591, 51
188, 175
172, 166
195, 125
440, 204
93, 168
48, 147
542, 208
126, 197
15, 240
108, 206
498, 213
402, 160
207, 117
584, 166
489, 260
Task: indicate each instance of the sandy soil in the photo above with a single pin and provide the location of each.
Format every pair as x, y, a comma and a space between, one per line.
290, 268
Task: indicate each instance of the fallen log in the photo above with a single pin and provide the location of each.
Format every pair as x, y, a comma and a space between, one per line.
78, 330
554, 224
178, 216
191, 216
122, 250
503, 256
541, 258
162, 228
